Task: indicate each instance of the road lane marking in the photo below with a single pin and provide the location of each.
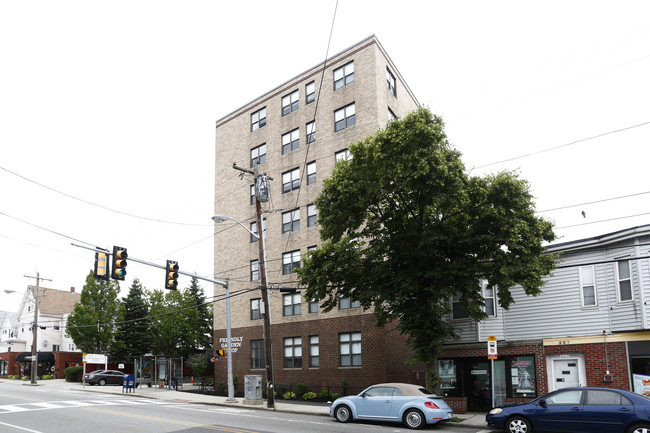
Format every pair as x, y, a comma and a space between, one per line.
69, 404
20, 428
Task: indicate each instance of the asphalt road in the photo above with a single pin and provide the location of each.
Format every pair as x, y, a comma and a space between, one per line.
43, 410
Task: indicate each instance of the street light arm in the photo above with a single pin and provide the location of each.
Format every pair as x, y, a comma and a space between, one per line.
222, 218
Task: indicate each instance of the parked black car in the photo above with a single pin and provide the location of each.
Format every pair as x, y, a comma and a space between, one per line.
104, 377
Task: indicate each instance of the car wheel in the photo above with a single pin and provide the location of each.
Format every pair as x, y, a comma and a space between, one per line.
343, 413
101, 382
639, 428
518, 424
414, 419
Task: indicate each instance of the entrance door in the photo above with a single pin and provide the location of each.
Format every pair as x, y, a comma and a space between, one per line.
565, 373
480, 396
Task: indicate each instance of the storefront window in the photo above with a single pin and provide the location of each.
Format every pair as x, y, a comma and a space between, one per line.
522, 370
447, 373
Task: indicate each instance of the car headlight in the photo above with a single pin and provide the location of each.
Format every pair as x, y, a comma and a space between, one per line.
495, 411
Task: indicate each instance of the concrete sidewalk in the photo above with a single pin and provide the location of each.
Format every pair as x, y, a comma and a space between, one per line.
466, 420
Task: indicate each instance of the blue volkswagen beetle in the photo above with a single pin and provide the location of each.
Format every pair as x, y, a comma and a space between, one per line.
412, 405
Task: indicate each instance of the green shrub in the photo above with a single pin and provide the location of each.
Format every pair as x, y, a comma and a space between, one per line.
301, 389
73, 374
325, 394
309, 395
334, 396
288, 395
47, 377
281, 388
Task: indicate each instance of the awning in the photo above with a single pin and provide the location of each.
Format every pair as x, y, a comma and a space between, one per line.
42, 357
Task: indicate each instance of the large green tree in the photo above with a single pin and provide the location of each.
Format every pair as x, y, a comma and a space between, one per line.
91, 323
405, 228
133, 337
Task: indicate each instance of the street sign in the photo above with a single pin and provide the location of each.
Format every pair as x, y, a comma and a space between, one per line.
492, 347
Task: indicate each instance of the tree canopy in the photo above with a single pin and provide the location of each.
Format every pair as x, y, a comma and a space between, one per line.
405, 228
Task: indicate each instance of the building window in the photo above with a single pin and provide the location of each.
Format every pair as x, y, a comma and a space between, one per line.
252, 194
255, 270
258, 119
257, 354
291, 304
314, 356
447, 373
313, 306
522, 369
350, 349
56, 326
342, 155
344, 117
258, 155
311, 173
56, 348
312, 215
588, 286
310, 92
624, 281
391, 115
255, 309
290, 141
290, 180
71, 348
489, 299
293, 352
311, 132
391, 82
254, 230
346, 303
343, 75
290, 261
290, 103
291, 221
458, 310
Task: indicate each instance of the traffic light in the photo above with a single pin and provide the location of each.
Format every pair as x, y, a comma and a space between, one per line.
101, 271
171, 275
222, 353
119, 263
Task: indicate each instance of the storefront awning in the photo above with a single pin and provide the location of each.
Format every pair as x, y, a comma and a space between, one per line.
42, 357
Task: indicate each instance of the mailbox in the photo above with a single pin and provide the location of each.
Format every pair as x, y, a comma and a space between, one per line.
128, 383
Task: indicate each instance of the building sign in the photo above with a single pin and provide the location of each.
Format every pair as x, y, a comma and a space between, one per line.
235, 343
492, 347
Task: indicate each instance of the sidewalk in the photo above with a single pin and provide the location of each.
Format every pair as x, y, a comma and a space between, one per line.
466, 420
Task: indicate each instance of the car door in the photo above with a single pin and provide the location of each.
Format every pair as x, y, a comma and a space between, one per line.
114, 377
561, 411
375, 403
606, 411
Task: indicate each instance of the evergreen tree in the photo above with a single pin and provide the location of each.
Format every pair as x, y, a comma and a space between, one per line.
133, 336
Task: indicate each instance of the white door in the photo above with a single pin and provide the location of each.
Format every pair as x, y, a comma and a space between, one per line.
565, 373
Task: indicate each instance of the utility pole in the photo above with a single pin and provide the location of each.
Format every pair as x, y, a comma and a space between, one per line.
268, 347
35, 327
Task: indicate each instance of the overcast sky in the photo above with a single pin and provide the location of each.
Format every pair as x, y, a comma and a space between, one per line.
108, 109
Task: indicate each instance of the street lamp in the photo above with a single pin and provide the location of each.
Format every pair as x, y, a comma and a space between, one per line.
261, 258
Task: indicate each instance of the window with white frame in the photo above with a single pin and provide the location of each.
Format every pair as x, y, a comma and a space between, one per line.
290, 141
290, 261
624, 281
345, 303
291, 304
390, 78
254, 230
291, 221
311, 173
310, 92
257, 354
56, 326
313, 306
312, 215
342, 155
258, 155
56, 348
588, 286
345, 117
311, 131
314, 351
457, 308
290, 103
256, 311
350, 349
293, 352
290, 180
255, 270
489, 299
258, 119
71, 347
343, 75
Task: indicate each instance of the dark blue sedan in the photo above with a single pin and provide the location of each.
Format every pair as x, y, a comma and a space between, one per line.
584, 410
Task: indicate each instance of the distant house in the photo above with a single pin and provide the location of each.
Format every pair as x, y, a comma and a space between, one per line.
56, 351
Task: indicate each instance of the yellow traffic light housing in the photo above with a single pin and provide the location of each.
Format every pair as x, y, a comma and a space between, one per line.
119, 263
101, 271
171, 275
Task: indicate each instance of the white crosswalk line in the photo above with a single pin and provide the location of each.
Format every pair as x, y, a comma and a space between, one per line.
68, 404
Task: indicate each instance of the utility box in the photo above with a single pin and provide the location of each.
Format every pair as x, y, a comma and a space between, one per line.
252, 389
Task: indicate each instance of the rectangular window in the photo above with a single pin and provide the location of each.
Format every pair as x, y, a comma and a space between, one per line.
291, 221
624, 281
314, 356
252, 194
254, 230
290, 141
588, 286
391, 82
257, 354
290, 261
447, 373
255, 309
291, 304
345, 117
71, 348
347, 303
350, 349
391, 115
343, 75
255, 270
458, 311
342, 155
258, 119
313, 306
293, 352
56, 348
489, 299
311, 173
258, 155
312, 215
56, 327
523, 376
311, 132
290, 180
290, 103
310, 92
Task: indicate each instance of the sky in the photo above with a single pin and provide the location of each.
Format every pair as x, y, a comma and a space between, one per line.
108, 110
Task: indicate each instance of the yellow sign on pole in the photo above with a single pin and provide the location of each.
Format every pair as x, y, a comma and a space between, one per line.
492, 347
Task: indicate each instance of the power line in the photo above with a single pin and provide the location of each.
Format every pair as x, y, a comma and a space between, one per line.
593, 202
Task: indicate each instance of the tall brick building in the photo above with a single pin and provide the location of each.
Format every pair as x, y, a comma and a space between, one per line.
295, 133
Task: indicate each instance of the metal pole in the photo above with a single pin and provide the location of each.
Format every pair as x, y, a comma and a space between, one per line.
34, 331
231, 387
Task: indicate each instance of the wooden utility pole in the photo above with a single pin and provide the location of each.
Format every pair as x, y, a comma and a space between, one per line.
35, 327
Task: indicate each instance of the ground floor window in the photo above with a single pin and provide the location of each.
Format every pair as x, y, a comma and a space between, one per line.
3, 367
350, 349
257, 354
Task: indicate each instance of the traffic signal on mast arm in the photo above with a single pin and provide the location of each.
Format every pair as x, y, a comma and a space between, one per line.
222, 353
119, 263
171, 275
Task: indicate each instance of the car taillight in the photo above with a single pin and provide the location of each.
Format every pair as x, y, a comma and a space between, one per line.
431, 405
